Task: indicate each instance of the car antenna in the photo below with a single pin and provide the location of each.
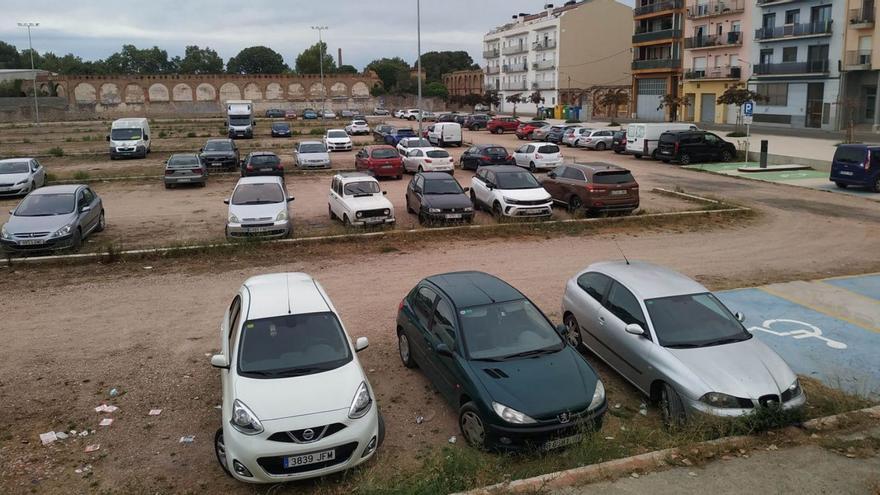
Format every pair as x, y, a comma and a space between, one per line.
287, 284
618, 248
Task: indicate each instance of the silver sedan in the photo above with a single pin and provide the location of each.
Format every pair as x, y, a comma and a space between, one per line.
675, 341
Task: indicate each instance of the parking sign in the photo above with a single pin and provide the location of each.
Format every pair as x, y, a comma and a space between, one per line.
748, 108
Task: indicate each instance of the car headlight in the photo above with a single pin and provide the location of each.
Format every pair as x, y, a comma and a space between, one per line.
386, 212
233, 219
510, 201
511, 415
63, 231
433, 210
717, 399
244, 420
22, 181
359, 214
4, 234
468, 208
282, 215
795, 389
361, 402
598, 395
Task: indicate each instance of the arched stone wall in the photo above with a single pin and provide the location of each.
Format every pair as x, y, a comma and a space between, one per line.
158, 92
206, 92
85, 93
360, 89
182, 92
274, 91
338, 89
61, 90
296, 91
316, 89
229, 91
110, 94
252, 92
134, 93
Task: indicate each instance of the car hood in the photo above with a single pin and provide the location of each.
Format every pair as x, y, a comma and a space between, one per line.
522, 383
278, 398
368, 202
533, 194
446, 200
314, 156
13, 178
22, 225
257, 211
747, 369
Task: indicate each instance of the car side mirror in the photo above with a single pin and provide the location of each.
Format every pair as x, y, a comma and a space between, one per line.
146, 137
361, 344
85, 209
562, 330
12, 212
443, 350
226, 201
201, 150
384, 193
290, 199
490, 186
740, 317
466, 189
219, 361
635, 329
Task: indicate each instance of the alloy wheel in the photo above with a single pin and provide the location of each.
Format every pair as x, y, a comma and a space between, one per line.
472, 428
573, 335
220, 450
684, 159
403, 348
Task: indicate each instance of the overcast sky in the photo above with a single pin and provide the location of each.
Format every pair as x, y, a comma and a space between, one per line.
364, 29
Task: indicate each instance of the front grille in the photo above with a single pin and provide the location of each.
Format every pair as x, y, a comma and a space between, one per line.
275, 465
529, 202
31, 235
770, 400
250, 225
372, 213
6, 185
454, 210
299, 436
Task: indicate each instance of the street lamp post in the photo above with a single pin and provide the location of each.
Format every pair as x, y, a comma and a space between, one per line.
29, 25
321, 65
419, 59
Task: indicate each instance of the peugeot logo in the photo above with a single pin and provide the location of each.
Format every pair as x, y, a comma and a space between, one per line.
308, 434
564, 418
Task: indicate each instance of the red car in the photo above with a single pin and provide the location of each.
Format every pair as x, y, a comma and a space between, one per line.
379, 160
525, 129
290, 115
500, 124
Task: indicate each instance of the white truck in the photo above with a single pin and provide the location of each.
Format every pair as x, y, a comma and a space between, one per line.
129, 137
642, 139
240, 118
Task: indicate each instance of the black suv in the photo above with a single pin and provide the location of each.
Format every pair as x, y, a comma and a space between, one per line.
476, 121
274, 113
261, 163
690, 146
219, 153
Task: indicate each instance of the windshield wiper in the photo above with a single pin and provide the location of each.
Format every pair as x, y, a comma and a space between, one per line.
532, 353
361, 195
726, 340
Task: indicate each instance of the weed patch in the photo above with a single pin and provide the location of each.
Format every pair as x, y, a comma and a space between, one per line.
57, 151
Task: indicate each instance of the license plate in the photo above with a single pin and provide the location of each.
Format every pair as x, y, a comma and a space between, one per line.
260, 229
453, 215
31, 242
533, 212
374, 220
314, 458
621, 192
182, 180
845, 172
265, 170
562, 442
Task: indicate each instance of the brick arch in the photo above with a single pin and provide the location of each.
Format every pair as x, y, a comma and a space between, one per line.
316, 89
296, 91
61, 90
229, 91
134, 93
274, 91
159, 92
360, 90
85, 93
110, 94
338, 89
205, 92
182, 92
252, 92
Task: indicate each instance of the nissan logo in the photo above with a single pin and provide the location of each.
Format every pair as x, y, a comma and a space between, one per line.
564, 418
308, 434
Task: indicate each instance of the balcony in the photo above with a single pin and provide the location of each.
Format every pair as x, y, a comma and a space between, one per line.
544, 45
514, 49
661, 63
793, 31
646, 37
544, 65
732, 38
715, 8
862, 18
858, 60
655, 7
788, 68
514, 86
490, 87
774, 2
513, 68
543, 85
725, 72
494, 53
493, 69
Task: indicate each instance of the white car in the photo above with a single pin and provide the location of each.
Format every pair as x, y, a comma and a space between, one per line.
19, 176
411, 114
311, 154
380, 111
355, 199
296, 402
407, 144
329, 114
337, 140
445, 133
258, 208
399, 114
536, 156
357, 127
428, 160
509, 191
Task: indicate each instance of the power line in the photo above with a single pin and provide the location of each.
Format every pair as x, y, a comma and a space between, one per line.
597, 60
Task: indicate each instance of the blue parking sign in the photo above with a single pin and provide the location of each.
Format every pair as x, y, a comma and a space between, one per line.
748, 108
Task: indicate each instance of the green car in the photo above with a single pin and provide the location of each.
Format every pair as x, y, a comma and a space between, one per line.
497, 359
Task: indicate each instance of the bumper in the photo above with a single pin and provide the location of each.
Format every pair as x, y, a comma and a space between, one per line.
14, 190
695, 407
627, 206
263, 231
850, 180
369, 222
450, 217
386, 172
548, 165
444, 168
15, 246
543, 437
339, 147
528, 211
241, 134
281, 134
128, 151
308, 165
220, 163
195, 179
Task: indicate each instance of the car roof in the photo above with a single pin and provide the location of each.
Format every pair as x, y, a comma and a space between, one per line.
178, 155
596, 167
502, 168
280, 123
310, 142
436, 175
262, 153
60, 189
221, 140
647, 280
355, 176
278, 294
541, 143
16, 160
331, 130
261, 179
484, 146
473, 288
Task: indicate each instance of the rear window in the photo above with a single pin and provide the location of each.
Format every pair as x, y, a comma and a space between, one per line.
437, 154
384, 153
850, 154
265, 160
183, 160
548, 148
667, 138
496, 151
615, 177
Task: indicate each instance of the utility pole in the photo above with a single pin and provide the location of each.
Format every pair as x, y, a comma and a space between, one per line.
321, 65
419, 59
29, 25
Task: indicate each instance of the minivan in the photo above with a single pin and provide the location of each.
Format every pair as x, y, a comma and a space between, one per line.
641, 139
685, 147
129, 137
856, 165
445, 133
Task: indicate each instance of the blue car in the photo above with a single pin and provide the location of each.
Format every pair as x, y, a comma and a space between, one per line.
310, 114
856, 165
394, 137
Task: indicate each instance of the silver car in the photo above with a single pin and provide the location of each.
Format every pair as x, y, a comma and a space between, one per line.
19, 176
541, 132
572, 134
258, 208
185, 168
599, 140
675, 341
53, 218
311, 154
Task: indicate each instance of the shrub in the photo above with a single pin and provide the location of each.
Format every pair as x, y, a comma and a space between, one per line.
68, 139
162, 135
81, 175
56, 151
572, 121
736, 134
614, 124
317, 131
190, 134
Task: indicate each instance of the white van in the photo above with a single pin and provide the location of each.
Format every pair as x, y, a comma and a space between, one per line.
445, 134
641, 139
129, 137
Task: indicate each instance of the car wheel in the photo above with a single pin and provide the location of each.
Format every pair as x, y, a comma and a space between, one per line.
220, 451
423, 219
618, 152
575, 203
474, 201
404, 350
654, 154
876, 186
346, 221
574, 332
421, 169
532, 167
76, 242
576, 143
472, 427
500, 130
600, 147
684, 159
381, 439
671, 408
330, 211
840, 185
496, 210
408, 207
638, 156
726, 156
102, 223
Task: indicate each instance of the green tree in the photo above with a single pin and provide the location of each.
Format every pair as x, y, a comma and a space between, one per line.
9, 56
257, 60
388, 69
435, 64
738, 96
437, 90
199, 61
516, 99
491, 98
346, 69
131, 60
309, 61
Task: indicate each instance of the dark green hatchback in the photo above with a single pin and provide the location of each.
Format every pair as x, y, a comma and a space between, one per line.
498, 360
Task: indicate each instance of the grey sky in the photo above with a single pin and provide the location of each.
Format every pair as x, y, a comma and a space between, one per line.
364, 29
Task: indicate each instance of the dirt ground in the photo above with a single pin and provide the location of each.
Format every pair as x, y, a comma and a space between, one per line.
75, 332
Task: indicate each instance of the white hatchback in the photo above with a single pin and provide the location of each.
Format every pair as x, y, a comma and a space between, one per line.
536, 156
296, 402
428, 160
337, 140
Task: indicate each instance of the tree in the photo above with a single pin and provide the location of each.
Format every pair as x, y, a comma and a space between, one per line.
673, 102
537, 99
257, 60
309, 61
9, 56
437, 90
387, 70
613, 99
131, 60
515, 98
435, 64
472, 100
738, 96
491, 98
346, 69
199, 61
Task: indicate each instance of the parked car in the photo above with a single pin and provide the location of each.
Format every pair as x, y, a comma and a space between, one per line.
572, 134
596, 139
53, 218
261, 163
281, 332
337, 140
556, 132
328, 114
347, 114
492, 353
481, 155
438, 197
479, 107
309, 114
593, 187
429, 116
856, 165
359, 116
380, 131
356, 200
445, 133
509, 191
693, 146
675, 342
411, 114
536, 156
220, 153
476, 121
399, 114
446, 117
19, 176
311, 154
380, 111
618, 142
185, 168
461, 118
258, 207
498, 125
281, 129
406, 144
428, 160
540, 133
357, 127
525, 129
274, 113
290, 115
642, 139
398, 133
379, 161
130, 137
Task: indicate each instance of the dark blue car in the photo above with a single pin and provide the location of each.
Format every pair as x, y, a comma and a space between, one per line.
394, 137
856, 165
310, 114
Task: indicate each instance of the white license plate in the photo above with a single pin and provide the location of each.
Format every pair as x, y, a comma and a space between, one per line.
534, 212
260, 229
562, 442
32, 242
374, 220
265, 170
453, 215
621, 192
845, 172
306, 459
182, 180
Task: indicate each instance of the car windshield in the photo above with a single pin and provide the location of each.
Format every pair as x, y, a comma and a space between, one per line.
442, 186
615, 177
437, 154
693, 320
292, 345
265, 160
239, 120
548, 148
312, 148
362, 188
516, 180
44, 205
218, 146
14, 167
416, 143
496, 151
184, 160
280, 127
125, 134
384, 153
507, 330
257, 194
337, 134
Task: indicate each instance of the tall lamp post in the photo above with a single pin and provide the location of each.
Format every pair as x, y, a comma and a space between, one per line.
419, 59
29, 25
321, 65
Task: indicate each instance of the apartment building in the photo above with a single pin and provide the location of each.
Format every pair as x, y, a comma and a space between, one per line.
578, 45
861, 76
716, 56
796, 56
656, 57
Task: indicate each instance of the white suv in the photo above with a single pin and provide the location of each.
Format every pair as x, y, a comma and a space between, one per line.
509, 191
355, 199
337, 140
357, 127
411, 114
296, 402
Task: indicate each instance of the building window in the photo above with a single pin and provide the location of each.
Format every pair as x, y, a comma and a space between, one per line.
789, 54
792, 16
766, 56
776, 93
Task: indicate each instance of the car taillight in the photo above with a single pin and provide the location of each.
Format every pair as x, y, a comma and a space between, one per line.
249, 167
400, 306
280, 166
510, 157
196, 170
539, 156
676, 148
487, 156
428, 160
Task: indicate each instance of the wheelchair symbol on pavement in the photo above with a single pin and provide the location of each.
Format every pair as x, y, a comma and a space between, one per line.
807, 331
